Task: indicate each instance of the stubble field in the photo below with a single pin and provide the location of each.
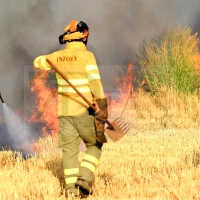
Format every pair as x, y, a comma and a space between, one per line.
155, 160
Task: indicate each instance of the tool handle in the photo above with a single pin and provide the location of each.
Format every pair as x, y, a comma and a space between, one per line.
70, 84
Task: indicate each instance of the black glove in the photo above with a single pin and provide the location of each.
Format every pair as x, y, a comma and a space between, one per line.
100, 120
91, 111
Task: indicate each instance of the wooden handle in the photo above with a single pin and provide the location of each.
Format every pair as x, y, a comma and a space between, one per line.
70, 84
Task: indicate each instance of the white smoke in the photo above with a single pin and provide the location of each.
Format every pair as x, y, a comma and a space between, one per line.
31, 28
21, 134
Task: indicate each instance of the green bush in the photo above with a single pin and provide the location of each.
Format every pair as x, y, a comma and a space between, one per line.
165, 61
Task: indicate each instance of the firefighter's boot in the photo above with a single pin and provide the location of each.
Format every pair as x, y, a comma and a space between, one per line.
85, 187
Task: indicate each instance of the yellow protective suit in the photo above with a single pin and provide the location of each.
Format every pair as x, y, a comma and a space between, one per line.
79, 65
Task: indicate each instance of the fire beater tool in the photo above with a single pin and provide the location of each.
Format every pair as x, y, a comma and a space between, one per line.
1, 98
116, 129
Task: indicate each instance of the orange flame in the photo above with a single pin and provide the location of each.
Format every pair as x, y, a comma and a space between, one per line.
124, 85
45, 103
46, 98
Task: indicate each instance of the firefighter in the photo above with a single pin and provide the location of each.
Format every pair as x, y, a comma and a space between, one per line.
76, 121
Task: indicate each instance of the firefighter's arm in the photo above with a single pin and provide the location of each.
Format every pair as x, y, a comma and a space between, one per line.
41, 63
94, 78
96, 87
98, 92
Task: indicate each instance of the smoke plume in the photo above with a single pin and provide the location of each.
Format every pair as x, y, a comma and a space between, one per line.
31, 28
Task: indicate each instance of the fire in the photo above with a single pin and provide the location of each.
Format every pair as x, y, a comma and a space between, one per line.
124, 85
45, 109
46, 98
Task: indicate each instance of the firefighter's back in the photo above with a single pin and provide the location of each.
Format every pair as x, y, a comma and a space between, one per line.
72, 62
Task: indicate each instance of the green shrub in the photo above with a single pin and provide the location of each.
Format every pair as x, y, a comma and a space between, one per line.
165, 61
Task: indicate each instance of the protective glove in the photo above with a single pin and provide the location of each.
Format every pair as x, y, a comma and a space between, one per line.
91, 111
100, 120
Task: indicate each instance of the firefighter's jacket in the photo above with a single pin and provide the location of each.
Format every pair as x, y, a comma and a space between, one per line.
79, 65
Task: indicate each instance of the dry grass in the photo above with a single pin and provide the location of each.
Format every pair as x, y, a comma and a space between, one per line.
150, 165
168, 110
155, 163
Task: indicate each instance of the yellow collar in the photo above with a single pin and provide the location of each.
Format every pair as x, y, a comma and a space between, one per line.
75, 45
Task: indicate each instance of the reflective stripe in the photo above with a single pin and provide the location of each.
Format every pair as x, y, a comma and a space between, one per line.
40, 62
71, 171
70, 180
91, 159
93, 76
73, 81
43, 61
91, 67
71, 90
36, 61
90, 166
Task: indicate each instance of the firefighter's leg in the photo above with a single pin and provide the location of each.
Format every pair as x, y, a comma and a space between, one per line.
86, 128
90, 162
69, 141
